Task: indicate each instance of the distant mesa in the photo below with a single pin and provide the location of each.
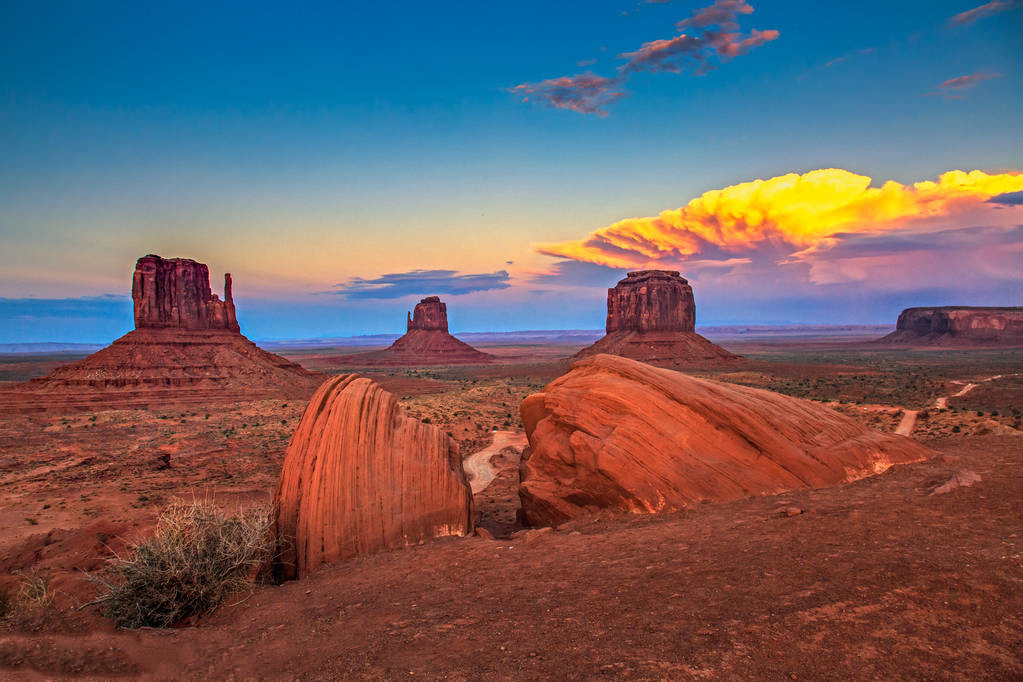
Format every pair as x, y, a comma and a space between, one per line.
360, 477
958, 326
186, 347
651, 317
623, 435
426, 342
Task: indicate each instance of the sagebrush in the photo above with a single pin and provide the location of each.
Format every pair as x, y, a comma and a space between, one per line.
197, 557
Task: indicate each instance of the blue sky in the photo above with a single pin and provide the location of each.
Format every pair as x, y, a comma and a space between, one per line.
309, 149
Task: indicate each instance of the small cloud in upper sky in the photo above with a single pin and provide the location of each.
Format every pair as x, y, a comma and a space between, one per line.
845, 57
981, 11
586, 93
955, 88
715, 39
420, 283
586, 62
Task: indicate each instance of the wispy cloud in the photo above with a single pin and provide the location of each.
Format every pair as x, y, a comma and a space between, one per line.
586, 93
722, 13
955, 88
846, 57
715, 39
420, 283
981, 11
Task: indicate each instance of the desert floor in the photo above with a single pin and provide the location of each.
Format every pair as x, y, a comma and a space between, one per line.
876, 579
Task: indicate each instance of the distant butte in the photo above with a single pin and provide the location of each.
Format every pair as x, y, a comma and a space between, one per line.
426, 342
186, 347
651, 317
958, 326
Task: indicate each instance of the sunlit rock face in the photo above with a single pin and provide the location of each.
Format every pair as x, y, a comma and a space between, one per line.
952, 326
360, 477
651, 317
622, 435
175, 293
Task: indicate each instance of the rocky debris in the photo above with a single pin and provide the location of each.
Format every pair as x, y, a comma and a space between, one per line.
963, 478
651, 317
426, 342
187, 348
360, 477
622, 435
175, 293
958, 326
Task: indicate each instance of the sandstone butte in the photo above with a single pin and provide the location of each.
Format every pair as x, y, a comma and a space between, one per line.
651, 317
359, 477
617, 434
186, 347
426, 342
958, 326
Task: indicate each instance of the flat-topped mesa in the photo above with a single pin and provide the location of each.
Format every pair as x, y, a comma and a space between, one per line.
958, 325
174, 293
651, 317
430, 314
651, 300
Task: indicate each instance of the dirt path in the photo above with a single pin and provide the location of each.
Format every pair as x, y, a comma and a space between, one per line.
477, 465
908, 423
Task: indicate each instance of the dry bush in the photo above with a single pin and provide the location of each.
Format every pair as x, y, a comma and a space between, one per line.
197, 557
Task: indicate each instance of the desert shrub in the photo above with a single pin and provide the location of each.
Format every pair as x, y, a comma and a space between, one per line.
6, 603
197, 557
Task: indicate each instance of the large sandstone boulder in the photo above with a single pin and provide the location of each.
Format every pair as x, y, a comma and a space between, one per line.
425, 342
958, 326
651, 317
617, 434
359, 477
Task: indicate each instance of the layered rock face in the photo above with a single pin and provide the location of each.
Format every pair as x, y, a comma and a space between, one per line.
651, 316
618, 434
958, 326
431, 314
186, 348
426, 342
359, 477
175, 293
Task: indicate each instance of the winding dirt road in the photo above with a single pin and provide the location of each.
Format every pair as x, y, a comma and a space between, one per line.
477, 465
908, 423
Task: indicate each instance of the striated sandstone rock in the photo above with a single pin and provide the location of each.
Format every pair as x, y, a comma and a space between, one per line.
958, 326
617, 434
651, 317
175, 293
359, 477
426, 342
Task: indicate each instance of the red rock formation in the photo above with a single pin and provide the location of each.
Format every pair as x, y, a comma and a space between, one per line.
958, 326
187, 348
431, 314
617, 434
175, 293
426, 342
359, 477
651, 317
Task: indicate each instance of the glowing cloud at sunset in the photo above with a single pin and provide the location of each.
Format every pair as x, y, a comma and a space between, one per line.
794, 213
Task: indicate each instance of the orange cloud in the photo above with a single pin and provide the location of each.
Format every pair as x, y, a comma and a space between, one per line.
797, 213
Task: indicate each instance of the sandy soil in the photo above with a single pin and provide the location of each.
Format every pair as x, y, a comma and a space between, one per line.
477, 465
873, 580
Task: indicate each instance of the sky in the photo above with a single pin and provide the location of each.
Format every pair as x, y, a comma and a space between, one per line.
798, 162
